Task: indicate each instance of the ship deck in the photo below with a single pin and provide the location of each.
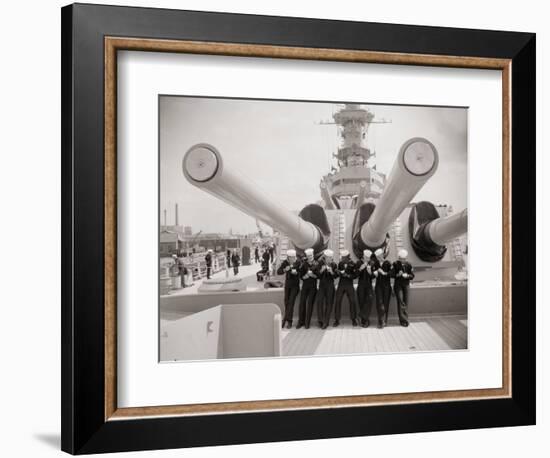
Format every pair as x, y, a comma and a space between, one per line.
431, 333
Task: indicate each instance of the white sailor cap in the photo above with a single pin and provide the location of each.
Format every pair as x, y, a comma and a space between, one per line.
379, 252
174, 255
367, 253
328, 253
344, 253
210, 250
403, 254
309, 252
291, 253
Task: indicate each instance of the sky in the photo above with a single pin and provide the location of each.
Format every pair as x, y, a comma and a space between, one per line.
280, 146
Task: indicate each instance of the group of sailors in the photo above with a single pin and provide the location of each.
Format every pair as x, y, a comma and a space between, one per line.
267, 253
317, 278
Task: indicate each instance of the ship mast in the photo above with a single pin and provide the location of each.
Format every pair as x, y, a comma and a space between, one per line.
353, 123
356, 176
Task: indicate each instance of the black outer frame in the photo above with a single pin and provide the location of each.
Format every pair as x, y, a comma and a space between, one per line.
83, 425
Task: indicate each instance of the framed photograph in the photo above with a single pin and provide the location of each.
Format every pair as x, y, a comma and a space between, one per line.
284, 228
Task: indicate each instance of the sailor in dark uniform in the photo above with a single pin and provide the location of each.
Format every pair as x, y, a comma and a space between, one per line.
346, 273
365, 294
308, 268
290, 267
235, 261
328, 272
265, 258
382, 271
208, 260
403, 274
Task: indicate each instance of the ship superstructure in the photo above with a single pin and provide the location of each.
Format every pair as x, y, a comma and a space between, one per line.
354, 178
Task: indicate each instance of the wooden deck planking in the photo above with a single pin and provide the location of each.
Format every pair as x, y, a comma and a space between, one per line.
387, 347
399, 339
426, 334
457, 327
453, 331
417, 337
446, 333
430, 335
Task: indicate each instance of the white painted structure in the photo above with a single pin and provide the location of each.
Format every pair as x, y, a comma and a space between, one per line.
224, 331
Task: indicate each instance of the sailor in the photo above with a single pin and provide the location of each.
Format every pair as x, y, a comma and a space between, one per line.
365, 294
235, 261
327, 273
174, 266
208, 260
308, 268
263, 273
265, 260
290, 268
403, 273
382, 288
228, 258
182, 271
174, 269
346, 273
256, 254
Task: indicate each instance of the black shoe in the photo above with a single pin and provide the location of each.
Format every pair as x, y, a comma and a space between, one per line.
320, 323
283, 324
289, 325
354, 323
299, 326
335, 324
365, 323
380, 325
307, 326
325, 326
404, 323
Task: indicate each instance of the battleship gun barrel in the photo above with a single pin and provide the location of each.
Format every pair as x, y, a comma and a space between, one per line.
442, 230
204, 168
416, 162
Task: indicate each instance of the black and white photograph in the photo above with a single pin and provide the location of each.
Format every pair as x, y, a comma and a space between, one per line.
309, 228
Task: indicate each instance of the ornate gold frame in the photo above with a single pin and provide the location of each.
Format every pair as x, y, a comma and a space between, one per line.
114, 44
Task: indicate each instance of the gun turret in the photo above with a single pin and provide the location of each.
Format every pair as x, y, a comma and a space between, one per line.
204, 168
416, 162
443, 230
429, 233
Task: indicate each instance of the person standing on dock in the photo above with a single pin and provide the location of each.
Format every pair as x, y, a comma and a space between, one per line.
403, 273
208, 260
309, 289
182, 271
235, 261
265, 260
365, 293
290, 267
256, 254
328, 272
228, 258
346, 272
382, 271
